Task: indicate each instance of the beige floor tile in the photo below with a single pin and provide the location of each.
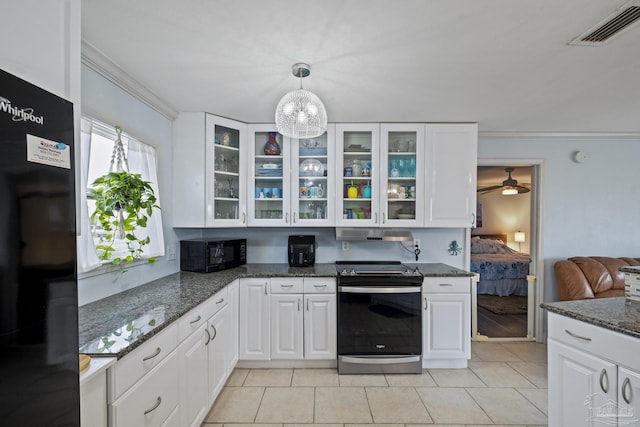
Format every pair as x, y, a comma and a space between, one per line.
499, 374
535, 372
452, 405
237, 377
341, 405
236, 405
528, 351
315, 377
396, 405
376, 425
492, 352
248, 425
507, 406
286, 405
269, 377
362, 380
436, 425
205, 424
313, 425
411, 380
539, 397
456, 378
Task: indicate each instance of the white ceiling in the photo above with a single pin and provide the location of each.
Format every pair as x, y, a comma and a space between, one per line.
505, 64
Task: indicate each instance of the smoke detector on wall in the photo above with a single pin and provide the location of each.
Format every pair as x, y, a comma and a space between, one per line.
610, 27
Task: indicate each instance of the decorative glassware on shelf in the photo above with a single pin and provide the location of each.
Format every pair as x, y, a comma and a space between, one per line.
271, 147
311, 167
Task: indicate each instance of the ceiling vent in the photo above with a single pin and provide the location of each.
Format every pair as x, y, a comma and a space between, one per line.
610, 27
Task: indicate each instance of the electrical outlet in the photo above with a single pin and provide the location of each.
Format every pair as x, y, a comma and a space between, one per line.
416, 245
171, 252
345, 246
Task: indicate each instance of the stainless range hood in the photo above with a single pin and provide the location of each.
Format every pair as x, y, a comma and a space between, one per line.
384, 234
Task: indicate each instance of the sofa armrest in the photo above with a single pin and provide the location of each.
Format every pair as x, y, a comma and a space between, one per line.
571, 281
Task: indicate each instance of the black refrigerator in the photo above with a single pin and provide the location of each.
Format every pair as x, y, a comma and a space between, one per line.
38, 281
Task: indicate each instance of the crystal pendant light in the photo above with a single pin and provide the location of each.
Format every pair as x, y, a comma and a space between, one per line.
300, 113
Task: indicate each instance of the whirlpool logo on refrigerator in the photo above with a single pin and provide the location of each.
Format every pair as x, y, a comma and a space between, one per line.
19, 114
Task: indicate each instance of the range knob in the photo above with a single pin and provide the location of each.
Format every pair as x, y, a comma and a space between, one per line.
343, 272
353, 272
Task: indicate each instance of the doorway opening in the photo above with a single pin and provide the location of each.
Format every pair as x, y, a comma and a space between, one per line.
504, 251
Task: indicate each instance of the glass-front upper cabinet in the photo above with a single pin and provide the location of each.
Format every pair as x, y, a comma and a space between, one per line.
226, 172
402, 190
209, 171
358, 175
313, 185
269, 182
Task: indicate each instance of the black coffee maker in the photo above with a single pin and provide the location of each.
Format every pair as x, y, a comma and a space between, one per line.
302, 251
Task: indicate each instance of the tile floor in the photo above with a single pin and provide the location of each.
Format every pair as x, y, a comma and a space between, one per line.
505, 384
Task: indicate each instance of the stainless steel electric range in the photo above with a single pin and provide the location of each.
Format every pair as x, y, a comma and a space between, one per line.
379, 318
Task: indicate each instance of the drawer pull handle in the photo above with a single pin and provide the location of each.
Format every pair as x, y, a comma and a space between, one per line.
154, 407
286, 286
196, 320
446, 284
220, 301
307, 304
626, 385
578, 337
319, 286
208, 337
266, 285
153, 355
604, 377
215, 332
298, 304
425, 304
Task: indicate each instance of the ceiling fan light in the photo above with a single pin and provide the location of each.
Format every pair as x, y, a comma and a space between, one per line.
509, 191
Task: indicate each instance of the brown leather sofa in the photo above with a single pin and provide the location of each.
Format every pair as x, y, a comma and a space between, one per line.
591, 277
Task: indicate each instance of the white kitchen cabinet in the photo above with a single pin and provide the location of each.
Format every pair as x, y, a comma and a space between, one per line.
358, 169
234, 316
152, 401
287, 319
446, 322
218, 352
286, 326
209, 171
194, 386
255, 323
451, 168
402, 188
93, 392
593, 372
295, 187
320, 329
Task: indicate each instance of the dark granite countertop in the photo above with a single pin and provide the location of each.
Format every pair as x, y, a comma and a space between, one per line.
116, 325
617, 314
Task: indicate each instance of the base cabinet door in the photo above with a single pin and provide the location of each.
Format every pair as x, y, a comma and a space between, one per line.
628, 396
320, 333
152, 401
446, 327
194, 394
218, 352
582, 387
254, 319
286, 327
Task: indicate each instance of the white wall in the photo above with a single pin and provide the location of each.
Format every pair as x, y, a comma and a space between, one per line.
106, 102
506, 214
588, 208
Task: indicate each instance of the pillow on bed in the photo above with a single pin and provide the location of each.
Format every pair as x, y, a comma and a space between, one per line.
490, 246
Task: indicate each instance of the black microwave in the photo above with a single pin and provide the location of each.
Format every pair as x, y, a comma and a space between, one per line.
205, 256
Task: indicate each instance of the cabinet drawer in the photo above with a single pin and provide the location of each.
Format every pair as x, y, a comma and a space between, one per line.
446, 285
143, 359
319, 285
193, 319
604, 343
219, 300
287, 285
153, 400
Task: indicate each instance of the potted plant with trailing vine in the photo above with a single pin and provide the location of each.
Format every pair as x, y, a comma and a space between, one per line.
124, 202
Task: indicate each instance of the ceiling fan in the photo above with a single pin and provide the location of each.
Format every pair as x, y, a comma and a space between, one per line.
509, 186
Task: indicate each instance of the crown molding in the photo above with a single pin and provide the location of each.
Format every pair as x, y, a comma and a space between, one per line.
568, 136
103, 65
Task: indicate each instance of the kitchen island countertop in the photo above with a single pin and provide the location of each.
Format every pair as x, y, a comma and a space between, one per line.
617, 314
116, 325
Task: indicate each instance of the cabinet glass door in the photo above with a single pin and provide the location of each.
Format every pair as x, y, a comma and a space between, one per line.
269, 189
358, 175
313, 189
402, 189
226, 179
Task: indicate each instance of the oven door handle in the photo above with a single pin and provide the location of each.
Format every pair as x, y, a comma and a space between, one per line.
380, 289
379, 360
